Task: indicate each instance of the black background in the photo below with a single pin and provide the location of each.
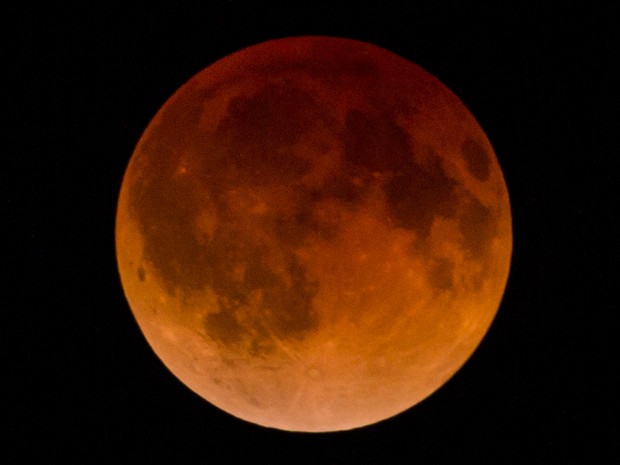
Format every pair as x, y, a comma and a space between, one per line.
84, 385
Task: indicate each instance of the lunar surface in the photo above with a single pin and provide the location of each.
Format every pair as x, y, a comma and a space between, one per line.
314, 234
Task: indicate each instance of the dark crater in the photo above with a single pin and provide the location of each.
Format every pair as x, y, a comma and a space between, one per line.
477, 160
441, 274
478, 225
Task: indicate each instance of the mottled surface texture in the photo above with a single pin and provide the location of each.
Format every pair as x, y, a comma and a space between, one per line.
314, 234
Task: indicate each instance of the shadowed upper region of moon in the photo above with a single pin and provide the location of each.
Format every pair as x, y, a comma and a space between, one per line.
325, 67
305, 229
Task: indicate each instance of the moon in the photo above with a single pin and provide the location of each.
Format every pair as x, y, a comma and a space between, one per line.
313, 234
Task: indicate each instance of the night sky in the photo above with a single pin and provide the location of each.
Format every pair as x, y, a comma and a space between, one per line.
83, 384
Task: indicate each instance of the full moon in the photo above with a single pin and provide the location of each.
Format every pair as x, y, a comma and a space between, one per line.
313, 234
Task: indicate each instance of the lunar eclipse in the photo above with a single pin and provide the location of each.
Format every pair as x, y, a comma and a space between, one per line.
313, 234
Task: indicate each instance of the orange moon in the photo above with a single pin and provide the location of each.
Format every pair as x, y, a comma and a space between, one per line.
314, 234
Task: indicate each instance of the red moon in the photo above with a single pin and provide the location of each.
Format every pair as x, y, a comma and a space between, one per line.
314, 234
